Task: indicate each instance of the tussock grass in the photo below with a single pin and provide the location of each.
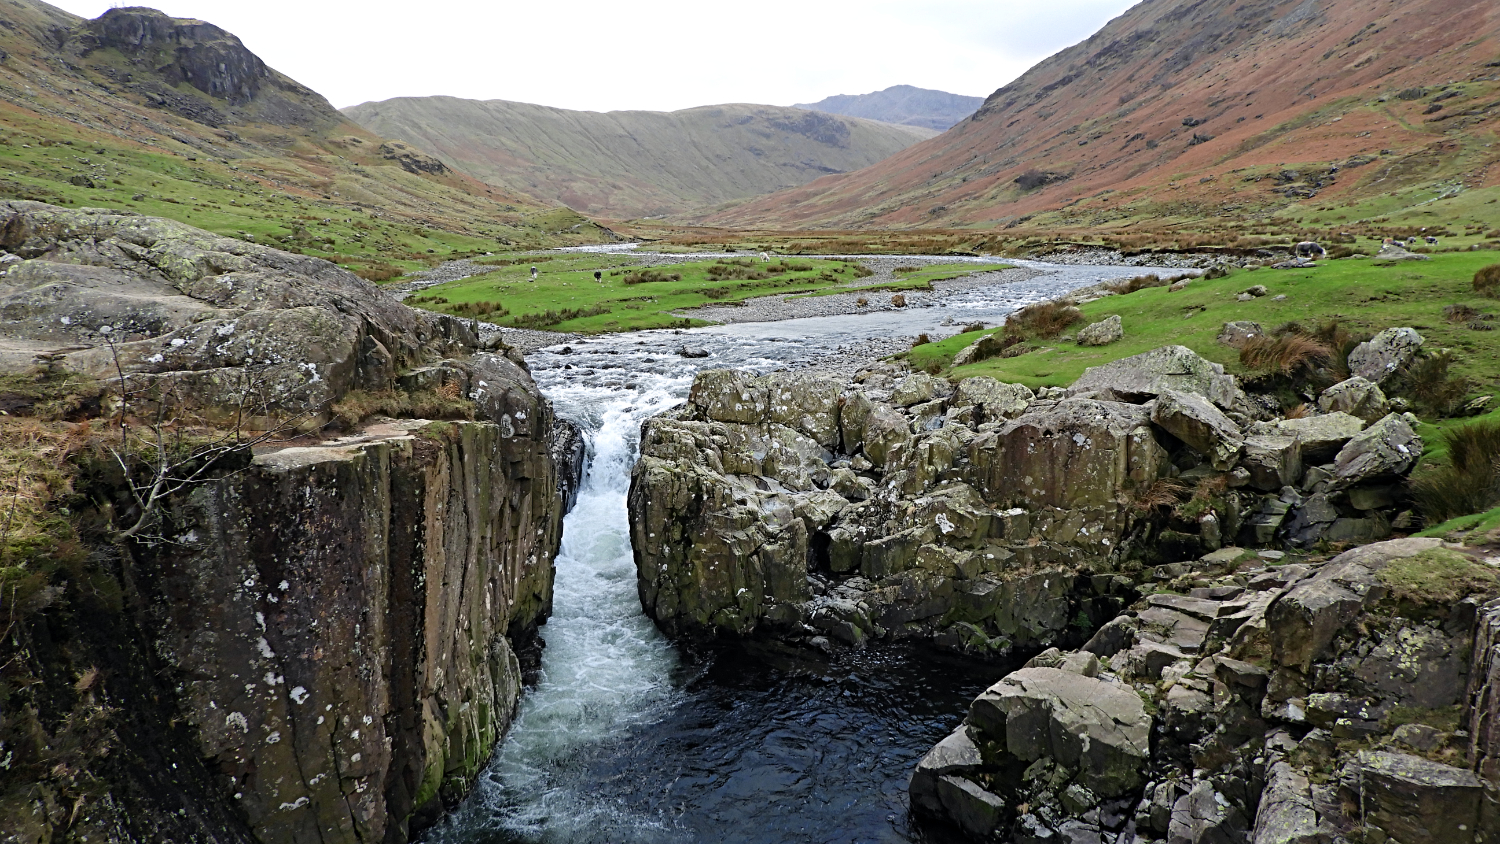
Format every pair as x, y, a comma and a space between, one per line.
1043, 320
1470, 483
648, 276
1291, 355
1487, 281
1429, 381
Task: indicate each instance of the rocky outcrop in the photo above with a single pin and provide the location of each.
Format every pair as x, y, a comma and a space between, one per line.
978, 515
228, 327
1312, 702
342, 616
317, 641
1381, 357
900, 507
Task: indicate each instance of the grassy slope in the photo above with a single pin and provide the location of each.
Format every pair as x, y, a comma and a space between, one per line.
60, 120
568, 283
1354, 291
636, 163
922, 279
1142, 124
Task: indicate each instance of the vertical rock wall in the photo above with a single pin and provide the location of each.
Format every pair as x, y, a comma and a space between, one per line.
340, 614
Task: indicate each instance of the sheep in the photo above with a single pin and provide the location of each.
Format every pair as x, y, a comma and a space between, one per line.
765, 256
533, 273
1309, 249
1431, 241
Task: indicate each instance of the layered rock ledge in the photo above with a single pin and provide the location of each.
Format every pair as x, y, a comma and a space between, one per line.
979, 516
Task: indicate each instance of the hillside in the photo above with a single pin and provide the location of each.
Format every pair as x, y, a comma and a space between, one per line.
903, 104
176, 118
1183, 110
636, 163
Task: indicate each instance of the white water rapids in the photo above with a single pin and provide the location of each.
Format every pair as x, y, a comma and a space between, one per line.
623, 739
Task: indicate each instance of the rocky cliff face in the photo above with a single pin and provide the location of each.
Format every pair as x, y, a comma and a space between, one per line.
342, 616
317, 641
1350, 700
977, 515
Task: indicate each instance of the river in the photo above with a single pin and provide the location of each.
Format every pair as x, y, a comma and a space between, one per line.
625, 737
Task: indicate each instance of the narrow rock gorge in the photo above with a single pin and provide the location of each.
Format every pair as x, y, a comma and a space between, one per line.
317, 639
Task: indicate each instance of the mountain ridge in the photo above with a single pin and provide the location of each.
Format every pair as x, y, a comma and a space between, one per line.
625, 164
181, 120
905, 105
1184, 108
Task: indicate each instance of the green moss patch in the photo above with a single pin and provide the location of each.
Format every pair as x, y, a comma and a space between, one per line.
1437, 578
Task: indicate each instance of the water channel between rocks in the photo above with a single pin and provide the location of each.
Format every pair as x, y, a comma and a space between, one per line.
625, 739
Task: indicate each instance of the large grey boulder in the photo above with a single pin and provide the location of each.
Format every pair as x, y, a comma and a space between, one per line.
1068, 454
1355, 396
1287, 814
1273, 461
1388, 448
729, 395
1382, 356
955, 755
1303, 623
1147, 375
1204, 815
1101, 333
995, 400
919, 387
1202, 426
1096, 729
1412, 799
1321, 436
1236, 334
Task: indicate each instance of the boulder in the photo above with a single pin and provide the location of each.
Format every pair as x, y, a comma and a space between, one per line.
729, 395
985, 347
1093, 728
807, 402
230, 327
1202, 426
1303, 624
1204, 815
919, 387
994, 400
974, 810
1382, 356
1145, 376
1391, 253
1067, 454
1412, 799
1286, 814
1101, 333
1321, 436
956, 754
1355, 396
1387, 449
1236, 334
1272, 461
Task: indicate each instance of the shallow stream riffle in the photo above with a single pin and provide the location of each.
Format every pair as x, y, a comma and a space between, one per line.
626, 738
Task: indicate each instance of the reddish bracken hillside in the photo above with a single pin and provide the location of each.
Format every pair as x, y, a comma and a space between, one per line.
1185, 108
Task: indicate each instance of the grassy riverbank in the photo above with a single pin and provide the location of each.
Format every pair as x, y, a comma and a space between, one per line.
565, 296
1358, 293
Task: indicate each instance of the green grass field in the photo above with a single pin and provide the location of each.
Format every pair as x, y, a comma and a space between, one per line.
1356, 292
566, 298
263, 200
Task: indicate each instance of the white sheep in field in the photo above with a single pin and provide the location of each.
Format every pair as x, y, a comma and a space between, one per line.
765, 256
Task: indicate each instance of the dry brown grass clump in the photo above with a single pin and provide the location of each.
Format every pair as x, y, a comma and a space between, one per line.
1044, 320
648, 276
1487, 281
1291, 355
442, 403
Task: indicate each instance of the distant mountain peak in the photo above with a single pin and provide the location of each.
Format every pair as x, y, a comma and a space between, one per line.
906, 105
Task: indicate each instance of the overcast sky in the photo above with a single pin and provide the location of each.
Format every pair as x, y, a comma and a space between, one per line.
649, 54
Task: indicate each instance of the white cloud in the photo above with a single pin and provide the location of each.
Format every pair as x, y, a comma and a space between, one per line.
651, 54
